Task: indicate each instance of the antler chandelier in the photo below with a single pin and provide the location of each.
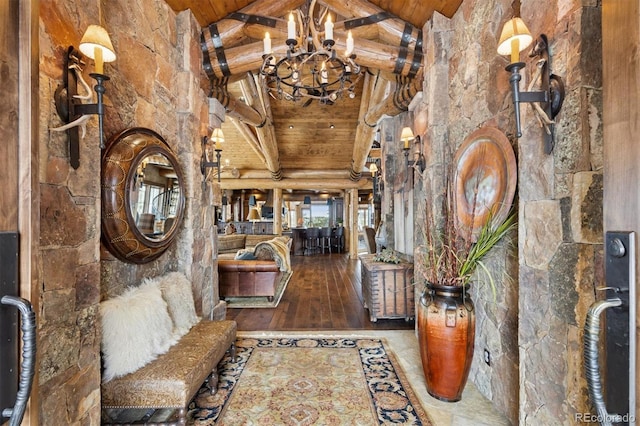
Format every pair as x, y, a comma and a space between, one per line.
314, 70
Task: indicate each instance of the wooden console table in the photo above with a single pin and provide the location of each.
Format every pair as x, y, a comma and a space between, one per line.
387, 289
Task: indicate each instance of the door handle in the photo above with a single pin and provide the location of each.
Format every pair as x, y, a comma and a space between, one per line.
27, 370
591, 358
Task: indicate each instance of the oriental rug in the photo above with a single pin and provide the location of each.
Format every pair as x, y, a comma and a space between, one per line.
309, 381
261, 302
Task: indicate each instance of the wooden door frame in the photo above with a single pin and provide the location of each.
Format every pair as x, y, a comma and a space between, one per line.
621, 122
28, 171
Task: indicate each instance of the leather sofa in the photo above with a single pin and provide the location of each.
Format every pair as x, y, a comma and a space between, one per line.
230, 244
242, 278
259, 276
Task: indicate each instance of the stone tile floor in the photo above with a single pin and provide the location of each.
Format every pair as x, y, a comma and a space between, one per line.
473, 410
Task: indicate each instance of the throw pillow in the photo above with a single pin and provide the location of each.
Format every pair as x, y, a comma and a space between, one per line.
136, 328
245, 255
176, 291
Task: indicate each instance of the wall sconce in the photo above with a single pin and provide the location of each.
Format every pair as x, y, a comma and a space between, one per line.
377, 180
215, 142
407, 137
252, 201
307, 200
96, 45
547, 102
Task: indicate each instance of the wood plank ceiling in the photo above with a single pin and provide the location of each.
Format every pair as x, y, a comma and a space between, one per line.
271, 142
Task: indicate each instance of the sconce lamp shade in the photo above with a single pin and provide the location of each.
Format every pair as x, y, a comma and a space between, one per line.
96, 45
307, 200
373, 168
515, 38
329, 201
252, 200
217, 137
406, 136
254, 215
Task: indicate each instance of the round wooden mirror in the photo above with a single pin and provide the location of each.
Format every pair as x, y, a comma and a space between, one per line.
142, 195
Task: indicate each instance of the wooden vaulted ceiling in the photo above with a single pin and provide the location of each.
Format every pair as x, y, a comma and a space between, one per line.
271, 142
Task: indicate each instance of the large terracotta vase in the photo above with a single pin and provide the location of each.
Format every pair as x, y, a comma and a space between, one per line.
446, 330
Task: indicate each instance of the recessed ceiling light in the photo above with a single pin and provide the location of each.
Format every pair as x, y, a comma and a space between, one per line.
291, 126
331, 126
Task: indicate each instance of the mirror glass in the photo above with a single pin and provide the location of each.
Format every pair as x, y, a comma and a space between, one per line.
143, 195
154, 196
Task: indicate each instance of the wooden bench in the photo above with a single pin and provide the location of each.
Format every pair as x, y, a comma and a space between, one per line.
173, 378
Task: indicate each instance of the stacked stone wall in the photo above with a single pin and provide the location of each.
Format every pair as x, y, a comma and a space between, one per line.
546, 271
154, 83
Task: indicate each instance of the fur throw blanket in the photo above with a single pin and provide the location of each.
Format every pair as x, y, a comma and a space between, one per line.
277, 249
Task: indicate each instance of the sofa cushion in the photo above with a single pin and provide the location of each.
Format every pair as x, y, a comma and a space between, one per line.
231, 242
245, 255
136, 328
176, 291
253, 240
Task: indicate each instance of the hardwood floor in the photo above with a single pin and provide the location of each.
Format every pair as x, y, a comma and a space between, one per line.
324, 293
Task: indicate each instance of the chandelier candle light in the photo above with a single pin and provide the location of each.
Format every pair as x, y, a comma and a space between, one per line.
313, 70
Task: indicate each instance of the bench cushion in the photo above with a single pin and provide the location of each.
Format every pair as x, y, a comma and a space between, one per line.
173, 379
136, 327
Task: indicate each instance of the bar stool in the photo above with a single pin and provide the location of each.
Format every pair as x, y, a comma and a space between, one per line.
338, 240
311, 240
325, 239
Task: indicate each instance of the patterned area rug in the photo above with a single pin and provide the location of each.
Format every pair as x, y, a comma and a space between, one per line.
261, 302
309, 381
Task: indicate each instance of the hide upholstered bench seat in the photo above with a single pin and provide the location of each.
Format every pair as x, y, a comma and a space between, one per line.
156, 352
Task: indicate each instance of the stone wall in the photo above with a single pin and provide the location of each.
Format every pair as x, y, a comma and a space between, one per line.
155, 83
560, 247
548, 268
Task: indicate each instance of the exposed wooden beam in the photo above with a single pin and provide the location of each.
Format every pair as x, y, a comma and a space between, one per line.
375, 90
229, 32
234, 107
295, 174
267, 135
370, 54
393, 30
249, 137
381, 103
296, 184
403, 92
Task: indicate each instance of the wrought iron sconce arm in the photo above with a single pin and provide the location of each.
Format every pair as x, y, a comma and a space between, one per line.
547, 101
204, 160
376, 178
69, 104
418, 163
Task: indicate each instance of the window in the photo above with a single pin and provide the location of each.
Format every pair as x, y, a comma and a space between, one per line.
315, 215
